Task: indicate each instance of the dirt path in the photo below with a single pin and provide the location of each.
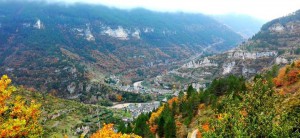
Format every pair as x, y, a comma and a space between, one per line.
194, 134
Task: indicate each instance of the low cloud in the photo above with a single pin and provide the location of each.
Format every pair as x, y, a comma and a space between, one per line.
267, 9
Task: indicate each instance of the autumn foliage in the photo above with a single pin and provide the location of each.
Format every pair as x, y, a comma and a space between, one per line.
153, 118
205, 127
258, 112
119, 97
171, 101
288, 75
199, 135
17, 118
108, 132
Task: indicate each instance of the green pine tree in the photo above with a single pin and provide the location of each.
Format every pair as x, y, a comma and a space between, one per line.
161, 123
170, 127
122, 128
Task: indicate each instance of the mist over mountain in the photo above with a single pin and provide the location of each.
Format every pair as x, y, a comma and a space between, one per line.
245, 25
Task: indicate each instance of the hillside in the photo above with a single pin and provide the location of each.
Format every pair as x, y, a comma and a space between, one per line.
250, 96
29, 113
231, 106
69, 50
263, 108
61, 117
276, 43
267, 106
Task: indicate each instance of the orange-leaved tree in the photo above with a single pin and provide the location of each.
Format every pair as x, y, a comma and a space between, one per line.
17, 118
107, 131
119, 97
171, 102
288, 75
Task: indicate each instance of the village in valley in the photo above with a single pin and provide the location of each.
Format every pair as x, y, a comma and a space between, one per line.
197, 71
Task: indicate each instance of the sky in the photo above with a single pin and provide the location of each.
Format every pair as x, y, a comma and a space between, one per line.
261, 9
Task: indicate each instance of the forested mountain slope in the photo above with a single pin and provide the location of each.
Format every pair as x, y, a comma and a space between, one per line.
69, 49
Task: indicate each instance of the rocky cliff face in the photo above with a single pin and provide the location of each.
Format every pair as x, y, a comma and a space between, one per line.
278, 42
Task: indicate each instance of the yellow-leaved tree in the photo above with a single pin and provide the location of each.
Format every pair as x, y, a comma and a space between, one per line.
17, 117
107, 131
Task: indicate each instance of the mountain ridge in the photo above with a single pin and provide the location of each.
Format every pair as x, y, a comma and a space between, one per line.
276, 43
80, 43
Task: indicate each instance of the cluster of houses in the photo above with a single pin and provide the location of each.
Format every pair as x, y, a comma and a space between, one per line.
138, 108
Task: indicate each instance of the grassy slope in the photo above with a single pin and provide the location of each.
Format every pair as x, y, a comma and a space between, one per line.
62, 117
